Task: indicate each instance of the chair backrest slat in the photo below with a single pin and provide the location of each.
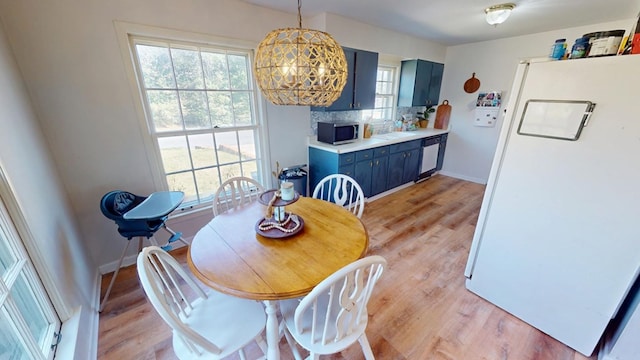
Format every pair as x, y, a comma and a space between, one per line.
338, 305
162, 277
236, 192
342, 190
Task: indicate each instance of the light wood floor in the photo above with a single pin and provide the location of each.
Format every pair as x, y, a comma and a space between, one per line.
420, 309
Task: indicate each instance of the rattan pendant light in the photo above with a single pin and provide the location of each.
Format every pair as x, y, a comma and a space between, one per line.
296, 66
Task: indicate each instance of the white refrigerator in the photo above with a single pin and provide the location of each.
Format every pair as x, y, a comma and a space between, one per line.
557, 243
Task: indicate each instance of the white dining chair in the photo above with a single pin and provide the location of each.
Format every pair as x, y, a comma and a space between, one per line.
236, 192
342, 190
208, 325
334, 314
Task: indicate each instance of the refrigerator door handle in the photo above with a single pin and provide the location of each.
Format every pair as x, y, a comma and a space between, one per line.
587, 114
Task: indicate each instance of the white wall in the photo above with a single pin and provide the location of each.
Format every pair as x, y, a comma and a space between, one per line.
25, 158
350, 33
74, 70
70, 58
470, 149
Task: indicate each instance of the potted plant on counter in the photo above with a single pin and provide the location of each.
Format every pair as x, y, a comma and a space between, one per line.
423, 117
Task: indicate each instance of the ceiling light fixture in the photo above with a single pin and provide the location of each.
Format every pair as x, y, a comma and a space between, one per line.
296, 66
497, 14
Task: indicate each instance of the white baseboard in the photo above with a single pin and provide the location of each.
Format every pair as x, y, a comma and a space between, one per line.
80, 332
131, 259
381, 195
463, 177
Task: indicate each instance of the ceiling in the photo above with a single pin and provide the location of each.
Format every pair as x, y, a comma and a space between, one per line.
454, 22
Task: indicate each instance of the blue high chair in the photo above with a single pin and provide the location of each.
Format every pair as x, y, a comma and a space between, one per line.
141, 217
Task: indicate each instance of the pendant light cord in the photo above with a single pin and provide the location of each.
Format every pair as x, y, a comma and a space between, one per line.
299, 14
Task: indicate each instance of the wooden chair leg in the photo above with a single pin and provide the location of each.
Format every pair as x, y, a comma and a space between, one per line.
115, 274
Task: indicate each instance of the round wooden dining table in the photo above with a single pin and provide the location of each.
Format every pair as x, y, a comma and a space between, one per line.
229, 256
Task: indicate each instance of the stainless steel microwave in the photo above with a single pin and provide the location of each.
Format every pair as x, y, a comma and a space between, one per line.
337, 133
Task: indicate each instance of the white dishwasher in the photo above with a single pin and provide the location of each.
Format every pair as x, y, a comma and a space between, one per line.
430, 150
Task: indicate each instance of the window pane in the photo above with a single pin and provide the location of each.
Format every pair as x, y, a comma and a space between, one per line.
228, 150
384, 75
24, 298
7, 259
250, 169
229, 171
10, 347
238, 72
385, 95
384, 88
208, 182
247, 145
183, 182
220, 108
187, 69
194, 110
242, 108
174, 152
215, 70
199, 91
156, 67
165, 111
202, 150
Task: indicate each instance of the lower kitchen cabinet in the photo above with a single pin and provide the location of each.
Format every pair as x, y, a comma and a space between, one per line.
404, 163
379, 174
376, 169
371, 170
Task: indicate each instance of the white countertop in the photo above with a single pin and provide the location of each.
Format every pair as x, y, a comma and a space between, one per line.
376, 140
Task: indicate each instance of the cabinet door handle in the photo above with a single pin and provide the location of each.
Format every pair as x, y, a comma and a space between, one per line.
370, 163
404, 155
377, 162
408, 154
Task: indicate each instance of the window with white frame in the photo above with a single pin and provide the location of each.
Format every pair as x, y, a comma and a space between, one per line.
386, 93
29, 326
200, 106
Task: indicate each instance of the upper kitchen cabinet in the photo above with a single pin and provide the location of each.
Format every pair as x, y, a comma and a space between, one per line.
420, 82
360, 90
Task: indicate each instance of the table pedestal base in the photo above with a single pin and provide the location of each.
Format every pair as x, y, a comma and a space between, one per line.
272, 330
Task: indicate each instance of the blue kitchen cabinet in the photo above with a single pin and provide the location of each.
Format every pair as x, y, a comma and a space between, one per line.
404, 163
363, 169
362, 176
323, 163
371, 170
376, 169
420, 83
366, 72
433, 96
360, 89
379, 171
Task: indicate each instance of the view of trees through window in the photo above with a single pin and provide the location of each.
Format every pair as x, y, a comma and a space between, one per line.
200, 106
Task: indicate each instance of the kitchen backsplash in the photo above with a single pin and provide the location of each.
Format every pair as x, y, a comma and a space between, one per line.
379, 126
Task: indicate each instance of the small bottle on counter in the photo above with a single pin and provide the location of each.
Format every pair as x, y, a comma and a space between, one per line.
558, 49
